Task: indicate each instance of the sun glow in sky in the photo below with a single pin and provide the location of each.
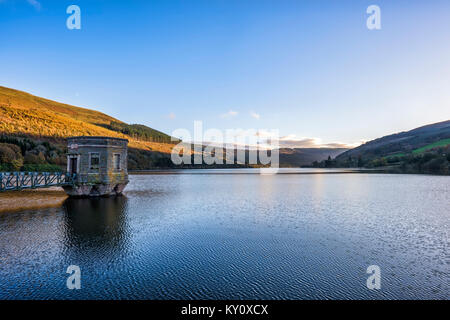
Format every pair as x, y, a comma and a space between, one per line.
310, 69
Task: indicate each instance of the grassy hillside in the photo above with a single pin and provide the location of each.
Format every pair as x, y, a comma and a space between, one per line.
39, 127
431, 146
424, 149
22, 113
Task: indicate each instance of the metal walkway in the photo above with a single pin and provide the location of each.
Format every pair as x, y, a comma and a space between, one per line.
31, 180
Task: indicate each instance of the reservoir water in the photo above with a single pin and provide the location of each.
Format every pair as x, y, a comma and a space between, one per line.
235, 234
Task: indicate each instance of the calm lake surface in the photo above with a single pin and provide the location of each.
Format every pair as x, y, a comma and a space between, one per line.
218, 235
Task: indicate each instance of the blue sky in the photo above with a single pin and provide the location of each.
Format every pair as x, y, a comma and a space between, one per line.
311, 69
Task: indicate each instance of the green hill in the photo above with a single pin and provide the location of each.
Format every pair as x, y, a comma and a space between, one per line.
424, 149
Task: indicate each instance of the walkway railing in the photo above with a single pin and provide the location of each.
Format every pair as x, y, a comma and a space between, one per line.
32, 180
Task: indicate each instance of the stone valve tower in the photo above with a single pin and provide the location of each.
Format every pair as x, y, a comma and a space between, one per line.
99, 166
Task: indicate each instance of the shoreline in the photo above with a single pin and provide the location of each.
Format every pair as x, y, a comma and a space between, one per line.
14, 201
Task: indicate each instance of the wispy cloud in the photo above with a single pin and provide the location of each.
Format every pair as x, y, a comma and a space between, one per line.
229, 114
291, 141
36, 4
255, 115
262, 133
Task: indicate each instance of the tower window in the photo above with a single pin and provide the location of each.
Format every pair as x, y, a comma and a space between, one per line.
117, 162
94, 161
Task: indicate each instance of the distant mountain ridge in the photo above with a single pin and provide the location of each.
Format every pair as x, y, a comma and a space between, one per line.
298, 157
